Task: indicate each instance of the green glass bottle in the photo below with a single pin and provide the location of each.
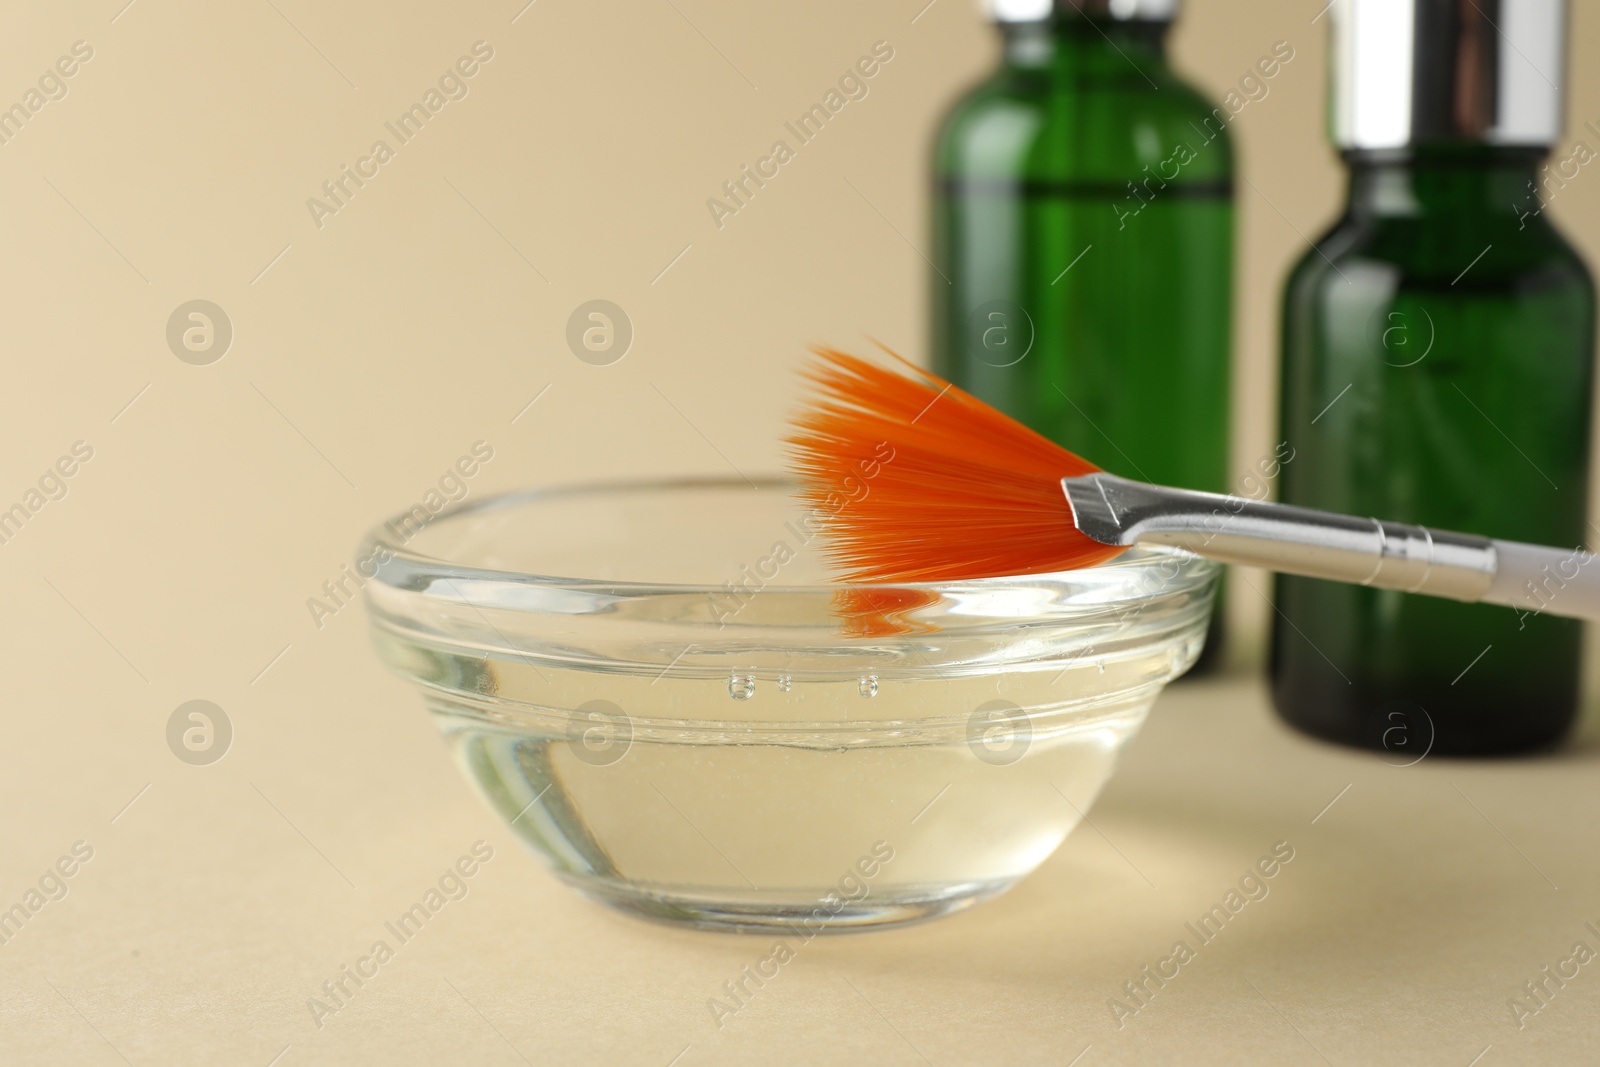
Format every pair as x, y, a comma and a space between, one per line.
1083, 241
1437, 366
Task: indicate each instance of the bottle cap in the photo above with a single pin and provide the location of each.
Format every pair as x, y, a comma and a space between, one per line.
1406, 72
1116, 10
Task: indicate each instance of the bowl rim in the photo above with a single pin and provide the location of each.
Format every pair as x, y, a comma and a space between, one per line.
404, 563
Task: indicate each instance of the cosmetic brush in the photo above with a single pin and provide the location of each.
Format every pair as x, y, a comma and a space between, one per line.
917, 480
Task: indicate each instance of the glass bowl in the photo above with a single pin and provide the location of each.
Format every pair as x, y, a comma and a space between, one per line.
666, 699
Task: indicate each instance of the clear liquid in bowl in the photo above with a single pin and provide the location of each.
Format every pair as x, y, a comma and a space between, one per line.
859, 825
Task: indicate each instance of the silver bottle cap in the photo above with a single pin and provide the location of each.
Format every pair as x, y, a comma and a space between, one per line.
1407, 72
1120, 10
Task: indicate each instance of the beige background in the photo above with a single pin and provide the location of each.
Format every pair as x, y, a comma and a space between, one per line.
424, 316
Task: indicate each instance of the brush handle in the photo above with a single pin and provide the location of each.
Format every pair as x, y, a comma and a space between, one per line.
1341, 548
1561, 581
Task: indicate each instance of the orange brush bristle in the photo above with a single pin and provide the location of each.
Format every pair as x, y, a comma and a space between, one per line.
916, 480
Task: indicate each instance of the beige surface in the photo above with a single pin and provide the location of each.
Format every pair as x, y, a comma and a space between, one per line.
1413, 908
373, 351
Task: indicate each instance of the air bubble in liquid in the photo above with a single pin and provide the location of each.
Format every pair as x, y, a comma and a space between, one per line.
868, 686
742, 686
785, 683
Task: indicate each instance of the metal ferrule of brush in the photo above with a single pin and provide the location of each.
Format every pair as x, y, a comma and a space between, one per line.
1281, 537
